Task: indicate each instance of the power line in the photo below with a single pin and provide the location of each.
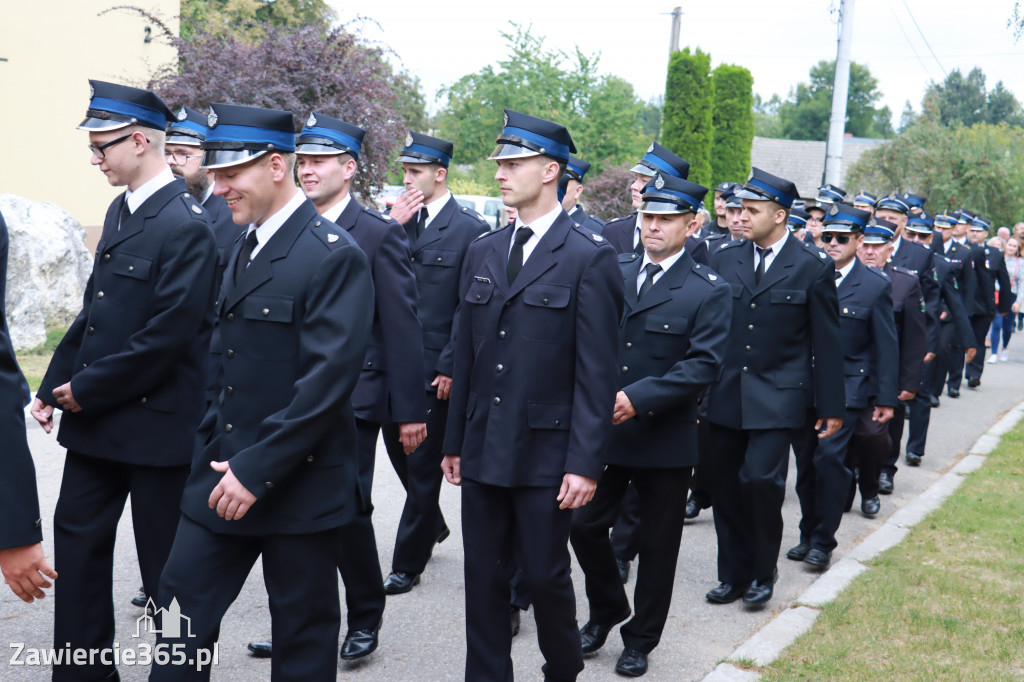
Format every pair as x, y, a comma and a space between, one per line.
907, 38
942, 68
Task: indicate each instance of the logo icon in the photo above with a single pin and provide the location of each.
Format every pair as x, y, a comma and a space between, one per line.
171, 623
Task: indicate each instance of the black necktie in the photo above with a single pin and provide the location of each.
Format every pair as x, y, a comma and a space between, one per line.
421, 222
243, 256
126, 213
763, 253
652, 269
515, 258
638, 248
839, 275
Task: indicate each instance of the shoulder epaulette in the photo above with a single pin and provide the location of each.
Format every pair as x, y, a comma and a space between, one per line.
589, 234
706, 272
879, 273
497, 230
327, 232
191, 204
628, 257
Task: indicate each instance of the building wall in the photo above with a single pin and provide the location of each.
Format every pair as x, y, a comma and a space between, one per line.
52, 48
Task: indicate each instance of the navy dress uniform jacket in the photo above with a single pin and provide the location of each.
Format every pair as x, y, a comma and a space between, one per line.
870, 360
137, 354
951, 290
437, 258
777, 327
225, 232
295, 328
19, 502
979, 288
587, 221
389, 385
917, 259
535, 373
671, 348
911, 330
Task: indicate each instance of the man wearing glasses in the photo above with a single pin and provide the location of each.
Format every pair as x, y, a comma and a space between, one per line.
129, 374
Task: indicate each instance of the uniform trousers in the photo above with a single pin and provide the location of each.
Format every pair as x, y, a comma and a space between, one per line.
357, 557
748, 486
823, 483
626, 535
92, 497
420, 473
498, 522
662, 499
980, 324
700, 485
207, 570
951, 372
869, 449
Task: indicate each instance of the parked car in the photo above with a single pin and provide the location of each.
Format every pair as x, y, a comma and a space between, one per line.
386, 199
491, 208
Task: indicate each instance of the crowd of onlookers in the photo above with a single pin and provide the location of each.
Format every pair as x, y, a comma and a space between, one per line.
1003, 326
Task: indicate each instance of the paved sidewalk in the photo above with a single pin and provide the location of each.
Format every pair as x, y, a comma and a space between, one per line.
423, 637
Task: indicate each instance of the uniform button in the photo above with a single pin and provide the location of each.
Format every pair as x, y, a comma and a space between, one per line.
628, 345
229, 317
508, 303
499, 368
131, 268
144, 399
748, 349
265, 311
269, 484
501, 334
665, 326
497, 400
650, 414
92, 330
106, 257
750, 327
439, 260
746, 369
99, 294
753, 306
229, 353
370, 363
478, 297
84, 365
310, 458
228, 428
230, 390
625, 369
545, 301
414, 259
558, 422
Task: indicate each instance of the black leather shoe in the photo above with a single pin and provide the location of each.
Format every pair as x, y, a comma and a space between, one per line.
725, 593
799, 552
632, 662
140, 599
818, 559
261, 649
400, 583
359, 643
870, 506
593, 635
973, 382
760, 591
443, 535
934, 401
515, 621
913, 459
693, 509
623, 569
885, 485
952, 393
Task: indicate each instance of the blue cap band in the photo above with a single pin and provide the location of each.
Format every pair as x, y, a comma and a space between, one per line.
551, 148
442, 158
331, 134
660, 164
249, 135
844, 218
799, 221
201, 131
576, 169
784, 199
154, 118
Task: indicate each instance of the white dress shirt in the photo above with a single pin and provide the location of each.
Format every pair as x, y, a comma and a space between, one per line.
773, 251
665, 264
272, 224
844, 272
334, 212
540, 227
147, 189
434, 207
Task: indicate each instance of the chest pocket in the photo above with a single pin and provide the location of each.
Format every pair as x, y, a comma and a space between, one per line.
854, 312
435, 266
666, 324
479, 292
130, 265
441, 258
788, 296
273, 338
546, 313
665, 335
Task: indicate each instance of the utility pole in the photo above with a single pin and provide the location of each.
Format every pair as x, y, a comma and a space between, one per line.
673, 43
840, 92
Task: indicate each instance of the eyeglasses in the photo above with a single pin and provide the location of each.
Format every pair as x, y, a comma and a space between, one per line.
180, 158
917, 236
100, 151
827, 237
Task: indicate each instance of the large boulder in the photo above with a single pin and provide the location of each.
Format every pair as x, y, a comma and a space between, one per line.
47, 268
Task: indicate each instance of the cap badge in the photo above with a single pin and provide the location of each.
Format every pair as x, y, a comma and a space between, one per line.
834, 211
182, 114
408, 139
311, 121
331, 238
211, 120
651, 148
92, 91
506, 119
659, 182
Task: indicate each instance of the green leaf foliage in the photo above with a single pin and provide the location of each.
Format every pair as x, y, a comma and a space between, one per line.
805, 115
980, 168
687, 115
963, 101
733, 118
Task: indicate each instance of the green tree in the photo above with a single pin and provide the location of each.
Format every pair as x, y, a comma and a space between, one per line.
733, 119
963, 101
687, 122
603, 114
246, 18
805, 115
766, 116
978, 167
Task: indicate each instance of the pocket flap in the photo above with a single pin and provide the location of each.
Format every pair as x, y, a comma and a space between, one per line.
793, 296
268, 308
855, 311
790, 379
440, 257
547, 295
479, 292
666, 324
130, 265
548, 416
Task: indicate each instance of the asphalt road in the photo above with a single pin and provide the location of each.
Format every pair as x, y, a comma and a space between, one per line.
423, 637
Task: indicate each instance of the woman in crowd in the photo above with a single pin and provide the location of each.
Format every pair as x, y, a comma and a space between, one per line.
1003, 324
